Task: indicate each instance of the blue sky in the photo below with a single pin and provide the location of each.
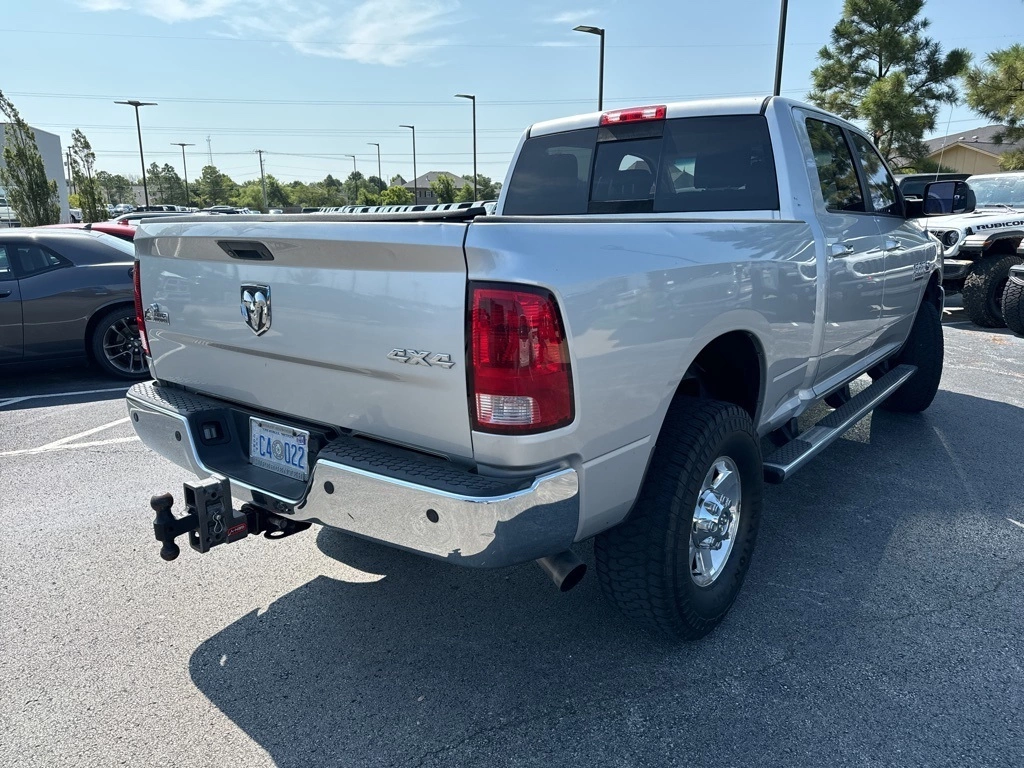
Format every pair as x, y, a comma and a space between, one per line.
310, 81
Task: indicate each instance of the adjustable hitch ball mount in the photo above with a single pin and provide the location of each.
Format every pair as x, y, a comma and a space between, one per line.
210, 519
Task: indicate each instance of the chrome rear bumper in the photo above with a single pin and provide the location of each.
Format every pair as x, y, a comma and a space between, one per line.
396, 496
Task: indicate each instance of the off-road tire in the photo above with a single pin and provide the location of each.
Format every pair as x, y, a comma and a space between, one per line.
983, 289
643, 564
1013, 306
925, 349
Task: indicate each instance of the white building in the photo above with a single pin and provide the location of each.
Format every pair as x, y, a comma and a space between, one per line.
53, 163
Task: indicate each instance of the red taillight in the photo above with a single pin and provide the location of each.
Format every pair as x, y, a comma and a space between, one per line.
633, 115
519, 375
140, 316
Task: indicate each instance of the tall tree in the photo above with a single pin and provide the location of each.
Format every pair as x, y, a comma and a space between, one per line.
157, 184
83, 164
174, 186
32, 196
880, 68
117, 188
995, 90
444, 187
214, 187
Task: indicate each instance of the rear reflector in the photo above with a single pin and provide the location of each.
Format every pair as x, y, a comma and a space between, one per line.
519, 376
633, 115
140, 317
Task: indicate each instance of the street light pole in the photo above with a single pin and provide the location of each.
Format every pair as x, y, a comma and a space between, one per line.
473, 99
184, 169
415, 189
781, 48
600, 74
263, 179
379, 175
354, 170
138, 127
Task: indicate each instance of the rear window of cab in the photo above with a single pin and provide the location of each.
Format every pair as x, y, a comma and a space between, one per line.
693, 164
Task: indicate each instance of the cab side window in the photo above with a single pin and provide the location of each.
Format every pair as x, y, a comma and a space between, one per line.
881, 185
837, 173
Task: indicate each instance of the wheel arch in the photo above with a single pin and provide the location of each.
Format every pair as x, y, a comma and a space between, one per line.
98, 314
1004, 242
730, 367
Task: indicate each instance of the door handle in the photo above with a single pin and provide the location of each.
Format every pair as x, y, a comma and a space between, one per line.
893, 243
839, 250
4, 294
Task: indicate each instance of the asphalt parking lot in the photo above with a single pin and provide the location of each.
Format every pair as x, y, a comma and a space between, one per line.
881, 622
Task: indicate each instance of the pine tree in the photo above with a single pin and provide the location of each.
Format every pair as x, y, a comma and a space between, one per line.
996, 91
880, 68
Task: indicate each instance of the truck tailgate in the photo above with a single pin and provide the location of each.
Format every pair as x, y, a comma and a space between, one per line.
341, 297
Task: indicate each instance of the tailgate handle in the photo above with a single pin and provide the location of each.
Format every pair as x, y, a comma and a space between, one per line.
247, 250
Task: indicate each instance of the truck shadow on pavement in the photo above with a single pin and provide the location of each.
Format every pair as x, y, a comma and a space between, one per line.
865, 551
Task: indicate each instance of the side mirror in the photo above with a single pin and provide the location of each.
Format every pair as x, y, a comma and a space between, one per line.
942, 198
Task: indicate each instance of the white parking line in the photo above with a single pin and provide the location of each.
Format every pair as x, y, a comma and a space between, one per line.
69, 446
69, 442
1015, 522
72, 438
13, 400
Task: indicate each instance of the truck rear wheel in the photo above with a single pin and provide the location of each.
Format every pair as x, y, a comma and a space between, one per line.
924, 348
679, 560
983, 289
1013, 303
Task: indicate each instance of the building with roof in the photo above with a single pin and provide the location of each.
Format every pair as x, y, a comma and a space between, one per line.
424, 194
53, 163
972, 151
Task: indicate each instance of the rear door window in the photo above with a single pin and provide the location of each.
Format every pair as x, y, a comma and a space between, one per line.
881, 185
682, 165
837, 174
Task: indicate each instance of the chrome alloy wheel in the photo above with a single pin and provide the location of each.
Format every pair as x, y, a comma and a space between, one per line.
716, 519
123, 348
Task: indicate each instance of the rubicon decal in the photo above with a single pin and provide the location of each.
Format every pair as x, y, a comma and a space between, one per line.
1000, 224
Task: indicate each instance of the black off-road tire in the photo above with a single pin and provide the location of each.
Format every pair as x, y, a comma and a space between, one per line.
925, 349
983, 289
643, 564
1013, 306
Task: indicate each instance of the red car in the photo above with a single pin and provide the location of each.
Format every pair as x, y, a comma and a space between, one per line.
123, 231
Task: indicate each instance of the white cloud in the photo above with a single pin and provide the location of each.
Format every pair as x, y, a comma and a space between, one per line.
381, 32
388, 32
574, 17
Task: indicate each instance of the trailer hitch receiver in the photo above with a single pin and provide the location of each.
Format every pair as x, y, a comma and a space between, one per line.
210, 519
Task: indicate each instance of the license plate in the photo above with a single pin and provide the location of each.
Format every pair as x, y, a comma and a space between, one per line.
279, 448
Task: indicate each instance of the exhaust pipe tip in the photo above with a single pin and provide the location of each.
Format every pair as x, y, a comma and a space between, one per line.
565, 569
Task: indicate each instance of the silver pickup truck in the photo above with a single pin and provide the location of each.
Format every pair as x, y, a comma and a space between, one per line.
658, 295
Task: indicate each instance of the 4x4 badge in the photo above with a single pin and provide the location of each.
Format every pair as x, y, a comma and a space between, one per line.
256, 307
